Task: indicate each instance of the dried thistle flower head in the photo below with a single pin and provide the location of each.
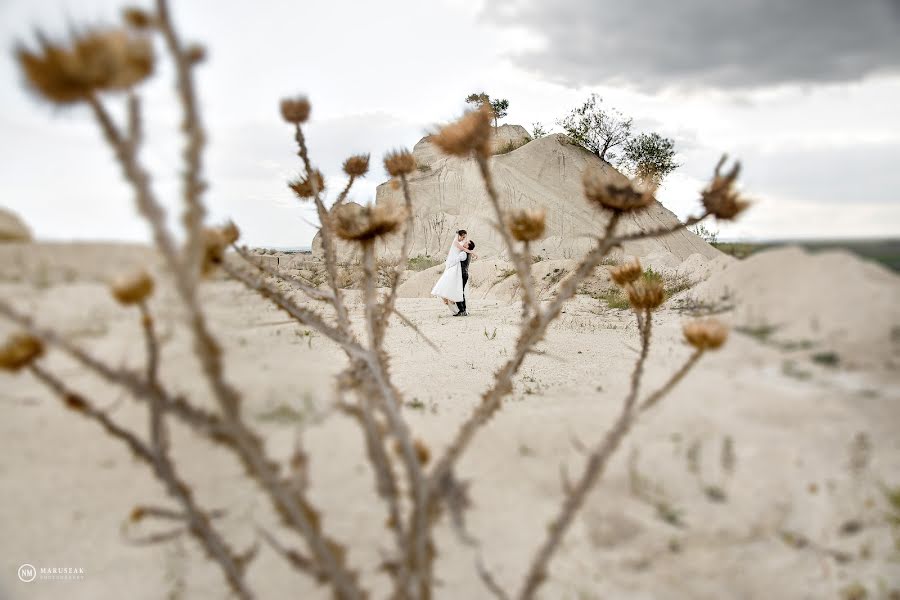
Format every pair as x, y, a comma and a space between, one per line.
399, 162
621, 197
720, 198
295, 110
215, 241
705, 334
132, 288
527, 224
195, 53
357, 223
20, 350
138, 18
471, 134
231, 233
307, 187
646, 294
94, 62
626, 273
422, 451
357, 165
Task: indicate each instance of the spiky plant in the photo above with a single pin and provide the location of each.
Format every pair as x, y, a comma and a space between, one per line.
417, 484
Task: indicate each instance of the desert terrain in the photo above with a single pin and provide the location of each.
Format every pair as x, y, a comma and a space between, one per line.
762, 475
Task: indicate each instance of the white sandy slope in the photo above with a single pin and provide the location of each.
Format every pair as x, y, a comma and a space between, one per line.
832, 300
448, 194
656, 526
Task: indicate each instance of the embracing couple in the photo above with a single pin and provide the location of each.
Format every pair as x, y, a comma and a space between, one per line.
451, 287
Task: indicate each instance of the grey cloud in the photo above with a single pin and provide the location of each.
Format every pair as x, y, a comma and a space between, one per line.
861, 173
701, 44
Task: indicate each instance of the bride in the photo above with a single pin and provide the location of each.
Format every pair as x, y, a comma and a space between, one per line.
449, 287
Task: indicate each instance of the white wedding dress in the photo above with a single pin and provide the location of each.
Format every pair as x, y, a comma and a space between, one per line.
450, 285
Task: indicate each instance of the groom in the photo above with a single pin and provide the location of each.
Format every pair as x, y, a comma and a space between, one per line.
464, 265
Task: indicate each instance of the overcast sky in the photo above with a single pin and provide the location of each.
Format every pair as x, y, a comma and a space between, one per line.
805, 93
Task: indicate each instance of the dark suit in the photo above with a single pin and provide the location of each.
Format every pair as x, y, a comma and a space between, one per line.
464, 265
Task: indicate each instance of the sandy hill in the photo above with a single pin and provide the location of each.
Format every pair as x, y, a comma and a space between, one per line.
448, 194
12, 228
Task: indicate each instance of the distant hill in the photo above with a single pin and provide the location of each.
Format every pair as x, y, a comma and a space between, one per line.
884, 251
448, 194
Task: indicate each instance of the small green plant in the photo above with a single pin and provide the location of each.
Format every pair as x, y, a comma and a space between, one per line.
709, 236
504, 273
790, 369
554, 276
492, 336
614, 298
826, 359
420, 263
281, 413
511, 145
761, 333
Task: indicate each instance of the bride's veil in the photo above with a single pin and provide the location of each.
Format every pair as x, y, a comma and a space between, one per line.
452, 255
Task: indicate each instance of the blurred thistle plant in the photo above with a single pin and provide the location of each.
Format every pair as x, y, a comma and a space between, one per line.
527, 224
615, 196
417, 484
720, 198
91, 63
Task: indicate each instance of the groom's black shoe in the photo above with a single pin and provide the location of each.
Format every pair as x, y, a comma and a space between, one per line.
461, 314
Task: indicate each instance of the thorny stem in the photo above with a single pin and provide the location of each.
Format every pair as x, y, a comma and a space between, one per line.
519, 261
158, 434
420, 565
303, 286
385, 479
532, 332
303, 315
593, 470
232, 433
192, 127
151, 343
343, 195
205, 346
327, 238
389, 302
654, 398
198, 521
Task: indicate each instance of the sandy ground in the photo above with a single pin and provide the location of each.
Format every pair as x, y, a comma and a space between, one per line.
759, 450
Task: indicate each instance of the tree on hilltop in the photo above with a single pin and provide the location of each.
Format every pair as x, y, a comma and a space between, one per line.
597, 129
649, 157
498, 107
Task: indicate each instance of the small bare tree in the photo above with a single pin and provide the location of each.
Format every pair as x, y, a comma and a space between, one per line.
599, 130
418, 484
